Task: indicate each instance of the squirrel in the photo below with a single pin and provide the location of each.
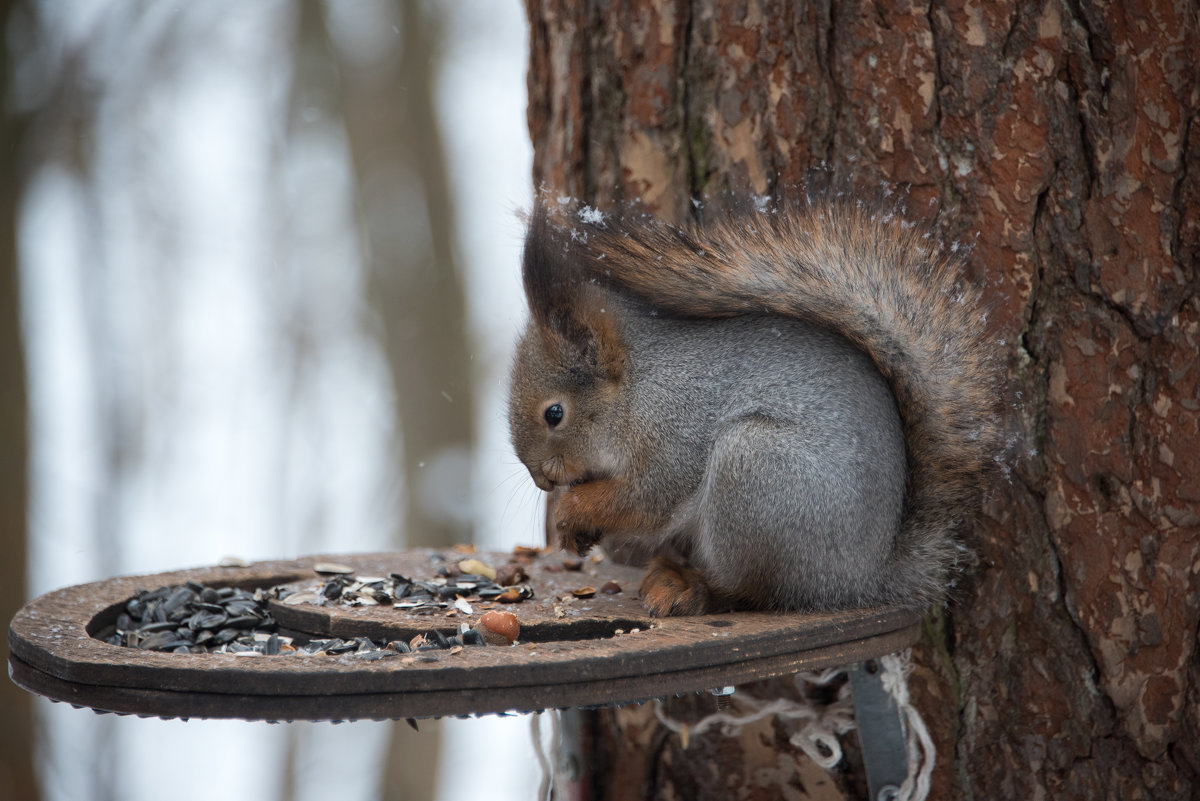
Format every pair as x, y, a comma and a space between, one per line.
791, 408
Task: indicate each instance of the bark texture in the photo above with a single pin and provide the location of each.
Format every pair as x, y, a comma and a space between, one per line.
1060, 139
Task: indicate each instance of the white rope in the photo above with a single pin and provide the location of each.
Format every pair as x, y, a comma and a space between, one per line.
819, 739
893, 675
547, 782
820, 726
556, 750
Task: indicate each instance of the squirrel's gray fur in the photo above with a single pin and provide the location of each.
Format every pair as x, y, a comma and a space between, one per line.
797, 402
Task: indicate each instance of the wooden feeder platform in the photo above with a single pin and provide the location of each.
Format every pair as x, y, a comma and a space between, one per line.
595, 651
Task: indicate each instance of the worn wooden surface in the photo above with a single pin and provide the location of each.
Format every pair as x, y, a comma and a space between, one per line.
568, 653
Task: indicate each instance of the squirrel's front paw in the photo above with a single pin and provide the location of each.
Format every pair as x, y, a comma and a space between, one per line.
578, 541
566, 526
670, 590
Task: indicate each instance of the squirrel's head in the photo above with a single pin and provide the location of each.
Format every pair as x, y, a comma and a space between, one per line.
562, 410
569, 367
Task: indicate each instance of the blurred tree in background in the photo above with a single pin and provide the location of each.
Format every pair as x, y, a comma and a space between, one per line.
245, 328
16, 735
407, 223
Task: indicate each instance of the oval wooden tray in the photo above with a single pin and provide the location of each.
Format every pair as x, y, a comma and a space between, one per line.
569, 654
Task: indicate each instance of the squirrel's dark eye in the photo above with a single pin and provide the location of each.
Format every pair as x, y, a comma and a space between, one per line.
553, 414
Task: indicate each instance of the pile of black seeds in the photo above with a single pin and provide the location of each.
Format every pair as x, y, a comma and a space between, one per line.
413, 595
368, 649
192, 618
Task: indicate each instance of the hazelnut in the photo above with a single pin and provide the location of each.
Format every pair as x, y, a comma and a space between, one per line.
499, 628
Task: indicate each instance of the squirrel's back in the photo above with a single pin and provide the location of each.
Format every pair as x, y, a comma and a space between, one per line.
805, 427
867, 276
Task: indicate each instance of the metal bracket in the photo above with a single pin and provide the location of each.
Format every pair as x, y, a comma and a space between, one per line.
881, 732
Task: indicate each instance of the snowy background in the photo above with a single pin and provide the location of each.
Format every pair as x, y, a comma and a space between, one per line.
205, 370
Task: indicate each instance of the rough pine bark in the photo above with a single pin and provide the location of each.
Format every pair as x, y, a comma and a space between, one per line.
1060, 140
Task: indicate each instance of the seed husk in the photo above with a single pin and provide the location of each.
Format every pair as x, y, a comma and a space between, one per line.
225, 636
333, 568
510, 574
477, 567
514, 595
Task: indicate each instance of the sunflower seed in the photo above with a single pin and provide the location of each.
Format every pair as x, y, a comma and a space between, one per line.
329, 568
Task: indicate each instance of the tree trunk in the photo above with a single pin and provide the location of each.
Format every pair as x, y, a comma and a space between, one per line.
16, 706
1064, 136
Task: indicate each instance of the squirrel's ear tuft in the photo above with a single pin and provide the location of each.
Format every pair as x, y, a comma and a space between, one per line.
557, 260
545, 267
578, 316
587, 335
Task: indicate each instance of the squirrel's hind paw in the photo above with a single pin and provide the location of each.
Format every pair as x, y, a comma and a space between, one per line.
672, 590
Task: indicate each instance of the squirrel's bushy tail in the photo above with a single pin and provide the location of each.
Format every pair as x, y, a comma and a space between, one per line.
878, 281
